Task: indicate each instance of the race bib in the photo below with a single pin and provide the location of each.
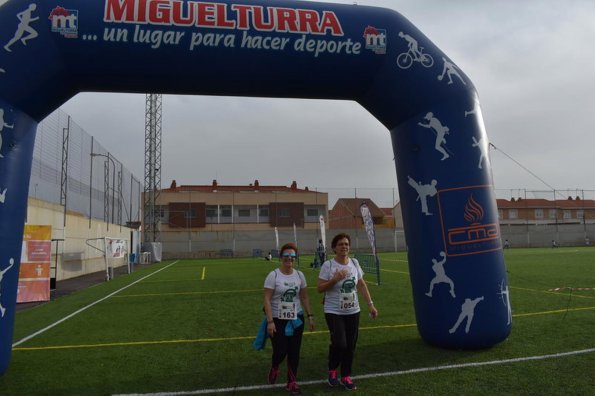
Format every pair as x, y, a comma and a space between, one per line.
347, 301
287, 311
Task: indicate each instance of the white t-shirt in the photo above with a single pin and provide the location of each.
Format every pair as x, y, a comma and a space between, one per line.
286, 290
341, 298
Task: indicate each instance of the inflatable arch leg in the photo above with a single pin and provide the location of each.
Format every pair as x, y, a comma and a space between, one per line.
276, 49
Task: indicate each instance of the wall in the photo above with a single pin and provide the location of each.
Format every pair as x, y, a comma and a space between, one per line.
243, 243
75, 257
523, 235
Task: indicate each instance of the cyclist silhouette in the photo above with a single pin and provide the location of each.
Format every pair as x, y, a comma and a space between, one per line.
412, 44
414, 54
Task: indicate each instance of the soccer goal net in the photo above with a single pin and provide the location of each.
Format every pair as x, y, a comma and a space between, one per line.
370, 264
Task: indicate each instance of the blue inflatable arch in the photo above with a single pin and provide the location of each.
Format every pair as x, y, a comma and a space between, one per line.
50, 51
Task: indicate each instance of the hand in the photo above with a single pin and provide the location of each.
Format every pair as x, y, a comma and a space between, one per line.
271, 329
373, 312
311, 324
340, 274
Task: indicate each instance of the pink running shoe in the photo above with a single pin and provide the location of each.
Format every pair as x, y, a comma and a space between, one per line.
348, 383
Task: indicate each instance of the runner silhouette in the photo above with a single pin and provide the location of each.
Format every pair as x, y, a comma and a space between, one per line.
25, 18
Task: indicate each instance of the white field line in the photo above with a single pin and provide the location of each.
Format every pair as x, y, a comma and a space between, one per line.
366, 376
395, 260
86, 307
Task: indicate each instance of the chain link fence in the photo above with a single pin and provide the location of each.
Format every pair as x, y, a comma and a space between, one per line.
71, 168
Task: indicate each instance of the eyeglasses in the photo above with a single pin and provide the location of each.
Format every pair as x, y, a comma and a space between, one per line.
288, 255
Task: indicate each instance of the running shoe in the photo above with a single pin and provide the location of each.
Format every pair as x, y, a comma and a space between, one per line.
332, 378
273, 372
348, 383
293, 388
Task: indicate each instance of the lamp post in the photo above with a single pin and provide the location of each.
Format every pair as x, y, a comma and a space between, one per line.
108, 156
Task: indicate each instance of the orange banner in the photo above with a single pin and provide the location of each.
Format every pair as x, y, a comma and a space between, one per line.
34, 273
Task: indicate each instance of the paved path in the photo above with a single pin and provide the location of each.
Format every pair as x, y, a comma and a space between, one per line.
69, 286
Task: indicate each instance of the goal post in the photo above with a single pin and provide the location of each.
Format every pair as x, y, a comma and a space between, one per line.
115, 255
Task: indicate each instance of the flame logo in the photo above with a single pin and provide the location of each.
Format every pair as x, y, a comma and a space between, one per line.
473, 211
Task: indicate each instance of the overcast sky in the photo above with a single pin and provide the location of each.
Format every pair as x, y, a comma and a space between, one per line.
532, 62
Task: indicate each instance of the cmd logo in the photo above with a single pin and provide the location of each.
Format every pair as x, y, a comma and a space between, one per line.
469, 222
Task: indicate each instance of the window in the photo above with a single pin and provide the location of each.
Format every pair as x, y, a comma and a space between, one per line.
211, 212
160, 211
552, 213
284, 212
312, 212
500, 214
263, 211
580, 214
243, 212
567, 214
226, 211
190, 213
539, 213
513, 214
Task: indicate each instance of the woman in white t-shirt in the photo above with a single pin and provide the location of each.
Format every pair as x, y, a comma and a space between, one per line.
285, 295
340, 279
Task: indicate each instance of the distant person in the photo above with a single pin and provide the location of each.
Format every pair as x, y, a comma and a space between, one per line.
320, 252
587, 241
340, 279
285, 295
554, 243
506, 244
268, 257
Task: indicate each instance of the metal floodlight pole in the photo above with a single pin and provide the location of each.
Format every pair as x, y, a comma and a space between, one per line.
152, 166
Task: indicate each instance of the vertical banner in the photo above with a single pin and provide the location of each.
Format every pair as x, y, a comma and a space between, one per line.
276, 239
295, 234
369, 225
34, 273
322, 231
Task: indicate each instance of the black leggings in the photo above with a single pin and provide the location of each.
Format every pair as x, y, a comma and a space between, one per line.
284, 346
344, 331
